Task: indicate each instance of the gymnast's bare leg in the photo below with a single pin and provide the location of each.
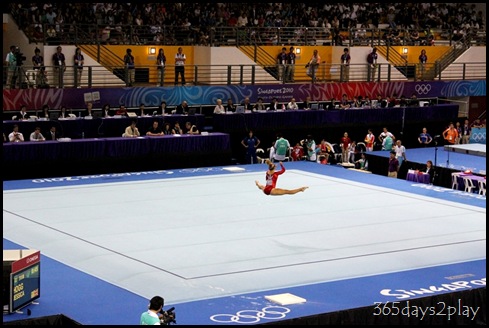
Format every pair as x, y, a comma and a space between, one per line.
279, 191
260, 186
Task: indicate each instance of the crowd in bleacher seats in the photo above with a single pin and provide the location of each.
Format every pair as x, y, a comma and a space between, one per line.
199, 19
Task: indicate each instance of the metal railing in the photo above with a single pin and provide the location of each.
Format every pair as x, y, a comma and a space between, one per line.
114, 76
242, 36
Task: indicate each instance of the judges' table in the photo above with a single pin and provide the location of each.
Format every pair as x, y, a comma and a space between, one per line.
418, 176
77, 128
93, 155
316, 118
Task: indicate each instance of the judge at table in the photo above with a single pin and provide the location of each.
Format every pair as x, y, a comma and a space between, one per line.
430, 170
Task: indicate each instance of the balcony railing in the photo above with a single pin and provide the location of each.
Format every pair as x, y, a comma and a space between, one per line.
114, 76
219, 36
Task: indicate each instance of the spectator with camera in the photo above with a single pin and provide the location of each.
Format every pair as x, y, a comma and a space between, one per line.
11, 63
15, 62
156, 315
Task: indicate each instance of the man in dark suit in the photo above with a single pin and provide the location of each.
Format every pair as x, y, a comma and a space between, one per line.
52, 134
182, 108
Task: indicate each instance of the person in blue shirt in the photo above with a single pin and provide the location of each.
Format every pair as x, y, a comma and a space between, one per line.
424, 138
251, 142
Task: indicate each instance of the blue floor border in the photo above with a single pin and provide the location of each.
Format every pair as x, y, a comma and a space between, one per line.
85, 298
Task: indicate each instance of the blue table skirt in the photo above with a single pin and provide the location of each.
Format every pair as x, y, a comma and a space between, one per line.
317, 118
100, 127
90, 149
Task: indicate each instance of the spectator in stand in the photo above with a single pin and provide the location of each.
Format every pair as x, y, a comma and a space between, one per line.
313, 66
59, 67
161, 64
11, 65
180, 59
78, 61
423, 59
130, 67
38, 66
372, 64
290, 69
345, 65
424, 138
281, 64
476, 124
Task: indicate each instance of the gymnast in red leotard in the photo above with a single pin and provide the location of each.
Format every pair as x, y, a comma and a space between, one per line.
272, 177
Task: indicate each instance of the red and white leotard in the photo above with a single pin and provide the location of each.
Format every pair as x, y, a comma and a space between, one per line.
272, 180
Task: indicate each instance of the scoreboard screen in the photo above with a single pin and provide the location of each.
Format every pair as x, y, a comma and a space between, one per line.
25, 284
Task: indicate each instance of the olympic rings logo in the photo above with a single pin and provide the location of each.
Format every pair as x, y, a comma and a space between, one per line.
252, 316
478, 136
422, 89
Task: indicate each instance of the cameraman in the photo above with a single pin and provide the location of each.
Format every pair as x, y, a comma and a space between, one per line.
153, 315
11, 63
156, 315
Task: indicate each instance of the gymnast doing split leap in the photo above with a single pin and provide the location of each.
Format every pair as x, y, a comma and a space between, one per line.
272, 177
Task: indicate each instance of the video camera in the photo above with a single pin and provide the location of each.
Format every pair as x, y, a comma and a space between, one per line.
168, 317
19, 57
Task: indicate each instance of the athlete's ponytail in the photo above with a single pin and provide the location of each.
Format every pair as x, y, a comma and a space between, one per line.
271, 166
